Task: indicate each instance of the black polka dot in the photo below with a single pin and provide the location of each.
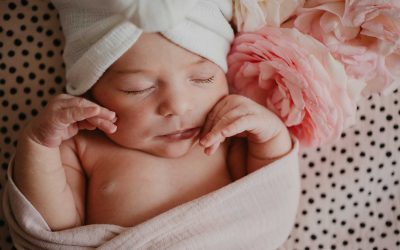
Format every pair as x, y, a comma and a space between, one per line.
50, 53
46, 17
29, 38
16, 127
49, 32
57, 42
27, 90
21, 116
11, 53
24, 2
20, 79
51, 70
12, 6
32, 76
17, 42
25, 52
51, 6
40, 93
38, 56
10, 33
34, 19
58, 79
6, 17
34, 112
20, 16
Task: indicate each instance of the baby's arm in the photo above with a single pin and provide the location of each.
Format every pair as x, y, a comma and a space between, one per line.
47, 169
265, 136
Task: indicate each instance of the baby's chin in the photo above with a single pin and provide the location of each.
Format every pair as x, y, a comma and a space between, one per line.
173, 151
159, 148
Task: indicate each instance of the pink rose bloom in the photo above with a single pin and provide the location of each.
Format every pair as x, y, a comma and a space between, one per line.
251, 15
296, 77
379, 19
363, 34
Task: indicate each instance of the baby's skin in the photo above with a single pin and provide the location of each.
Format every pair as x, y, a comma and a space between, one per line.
157, 130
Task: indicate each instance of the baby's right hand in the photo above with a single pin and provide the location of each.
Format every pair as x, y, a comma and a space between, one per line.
64, 116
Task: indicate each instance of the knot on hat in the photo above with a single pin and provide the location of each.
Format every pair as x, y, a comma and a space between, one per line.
168, 13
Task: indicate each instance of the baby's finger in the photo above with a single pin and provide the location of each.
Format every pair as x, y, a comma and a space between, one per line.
86, 125
103, 124
67, 101
225, 115
107, 114
218, 110
85, 103
211, 139
238, 126
211, 150
216, 132
68, 116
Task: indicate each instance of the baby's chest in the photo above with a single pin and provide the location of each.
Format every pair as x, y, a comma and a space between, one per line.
138, 176
129, 191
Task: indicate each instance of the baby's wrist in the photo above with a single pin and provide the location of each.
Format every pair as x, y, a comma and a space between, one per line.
273, 149
32, 135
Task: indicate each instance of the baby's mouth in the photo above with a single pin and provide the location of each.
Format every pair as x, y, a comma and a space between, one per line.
182, 134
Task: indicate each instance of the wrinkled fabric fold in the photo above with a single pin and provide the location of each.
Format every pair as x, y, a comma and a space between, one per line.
255, 212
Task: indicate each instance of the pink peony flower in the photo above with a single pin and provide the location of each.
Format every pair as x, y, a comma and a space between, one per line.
296, 77
250, 15
363, 34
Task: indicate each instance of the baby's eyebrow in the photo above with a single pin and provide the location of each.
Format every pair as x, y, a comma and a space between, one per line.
145, 71
130, 71
198, 61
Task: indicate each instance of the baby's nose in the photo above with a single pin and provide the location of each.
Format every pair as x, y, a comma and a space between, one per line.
176, 104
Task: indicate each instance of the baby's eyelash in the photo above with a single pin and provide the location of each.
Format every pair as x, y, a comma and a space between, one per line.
209, 80
137, 92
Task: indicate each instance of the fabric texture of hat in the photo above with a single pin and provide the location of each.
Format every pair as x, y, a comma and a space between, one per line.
98, 32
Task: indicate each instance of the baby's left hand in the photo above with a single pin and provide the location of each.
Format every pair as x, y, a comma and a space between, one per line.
236, 115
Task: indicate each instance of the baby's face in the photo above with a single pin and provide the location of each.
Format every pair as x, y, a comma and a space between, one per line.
162, 94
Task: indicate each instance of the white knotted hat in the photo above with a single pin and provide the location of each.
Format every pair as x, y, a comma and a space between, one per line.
98, 32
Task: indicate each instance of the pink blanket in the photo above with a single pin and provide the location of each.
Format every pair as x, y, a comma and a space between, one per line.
254, 212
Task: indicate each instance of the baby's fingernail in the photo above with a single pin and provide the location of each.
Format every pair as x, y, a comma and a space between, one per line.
113, 129
114, 119
203, 140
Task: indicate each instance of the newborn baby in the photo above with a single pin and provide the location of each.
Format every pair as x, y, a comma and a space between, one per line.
156, 130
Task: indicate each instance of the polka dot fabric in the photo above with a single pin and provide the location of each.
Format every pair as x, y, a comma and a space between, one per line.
31, 71
350, 197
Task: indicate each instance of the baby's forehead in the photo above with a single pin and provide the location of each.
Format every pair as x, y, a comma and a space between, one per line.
155, 46
152, 50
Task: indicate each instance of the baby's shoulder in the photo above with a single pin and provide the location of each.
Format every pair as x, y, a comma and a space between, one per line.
86, 139
83, 147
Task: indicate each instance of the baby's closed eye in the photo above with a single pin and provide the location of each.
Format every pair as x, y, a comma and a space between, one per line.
203, 79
